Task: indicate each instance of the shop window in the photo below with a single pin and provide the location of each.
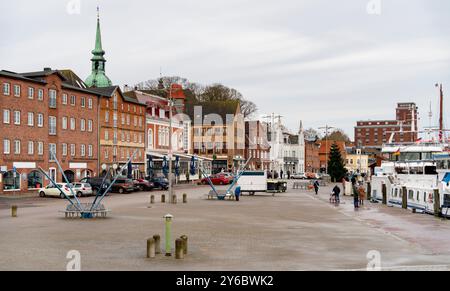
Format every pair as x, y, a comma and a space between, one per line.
9, 182
35, 180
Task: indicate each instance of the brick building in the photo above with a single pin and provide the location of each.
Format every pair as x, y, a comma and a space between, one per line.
374, 133
257, 146
312, 160
325, 149
43, 111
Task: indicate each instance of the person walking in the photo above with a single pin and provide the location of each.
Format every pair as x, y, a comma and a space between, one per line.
281, 174
336, 193
289, 175
355, 193
316, 187
237, 192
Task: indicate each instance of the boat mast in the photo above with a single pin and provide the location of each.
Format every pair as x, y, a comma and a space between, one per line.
441, 115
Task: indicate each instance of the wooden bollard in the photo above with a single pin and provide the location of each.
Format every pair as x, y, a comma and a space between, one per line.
152, 199
14, 210
151, 248
163, 198
437, 203
184, 198
184, 238
404, 198
179, 252
384, 193
157, 239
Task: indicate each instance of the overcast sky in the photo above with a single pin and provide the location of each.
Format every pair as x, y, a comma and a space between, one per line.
323, 62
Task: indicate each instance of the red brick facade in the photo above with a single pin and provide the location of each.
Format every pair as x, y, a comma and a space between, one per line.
47, 112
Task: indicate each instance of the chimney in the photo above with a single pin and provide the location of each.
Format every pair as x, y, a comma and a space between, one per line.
126, 88
47, 69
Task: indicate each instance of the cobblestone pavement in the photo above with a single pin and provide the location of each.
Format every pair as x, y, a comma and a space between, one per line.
296, 230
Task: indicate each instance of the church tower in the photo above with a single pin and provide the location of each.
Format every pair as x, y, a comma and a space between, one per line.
98, 78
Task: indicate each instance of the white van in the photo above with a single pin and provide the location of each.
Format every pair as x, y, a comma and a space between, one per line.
253, 181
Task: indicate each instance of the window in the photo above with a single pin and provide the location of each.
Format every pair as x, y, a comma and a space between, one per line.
90, 125
140, 121
83, 102
41, 94
64, 149
115, 102
135, 120
106, 135
90, 150
52, 98
72, 150
123, 119
106, 154
73, 100
64, 123
6, 89
128, 119
40, 148
83, 150
40, 120
17, 90
6, 116
90, 103
30, 119
162, 113
107, 103
51, 151
6, 146
17, 147
31, 148
17, 117
52, 125
83, 125
72, 123
30, 93
106, 116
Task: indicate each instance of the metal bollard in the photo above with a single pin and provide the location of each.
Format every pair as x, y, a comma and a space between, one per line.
168, 219
185, 198
14, 211
157, 239
185, 243
151, 248
163, 198
179, 252
152, 199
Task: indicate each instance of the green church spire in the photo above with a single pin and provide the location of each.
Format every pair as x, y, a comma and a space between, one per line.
98, 77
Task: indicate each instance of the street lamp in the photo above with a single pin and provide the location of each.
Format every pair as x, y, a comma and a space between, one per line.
326, 127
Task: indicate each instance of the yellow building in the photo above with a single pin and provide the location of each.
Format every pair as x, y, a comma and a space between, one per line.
357, 163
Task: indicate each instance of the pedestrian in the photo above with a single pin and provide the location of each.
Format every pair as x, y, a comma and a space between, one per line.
187, 177
289, 175
281, 174
355, 193
237, 192
336, 193
362, 194
316, 187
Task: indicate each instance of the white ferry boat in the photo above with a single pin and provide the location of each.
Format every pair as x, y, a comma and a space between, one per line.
420, 169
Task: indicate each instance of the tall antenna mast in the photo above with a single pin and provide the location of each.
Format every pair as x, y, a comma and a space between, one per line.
441, 113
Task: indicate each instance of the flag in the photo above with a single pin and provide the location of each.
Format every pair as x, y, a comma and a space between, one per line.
419, 140
397, 153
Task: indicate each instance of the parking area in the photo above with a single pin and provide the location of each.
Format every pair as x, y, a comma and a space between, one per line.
296, 230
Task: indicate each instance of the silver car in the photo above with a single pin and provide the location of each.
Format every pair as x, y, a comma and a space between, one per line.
82, 189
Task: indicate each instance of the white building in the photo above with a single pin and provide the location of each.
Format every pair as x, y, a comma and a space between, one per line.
287, 151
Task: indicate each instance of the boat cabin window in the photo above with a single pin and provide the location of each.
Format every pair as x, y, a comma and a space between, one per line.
430, 170
424, 196
416, 170
418, 196
411, 194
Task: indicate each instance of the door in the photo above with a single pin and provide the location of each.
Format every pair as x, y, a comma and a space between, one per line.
70, 176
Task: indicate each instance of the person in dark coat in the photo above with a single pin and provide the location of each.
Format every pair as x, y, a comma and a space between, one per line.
355, 193
289, 175
281, 174
336, 193
316, 187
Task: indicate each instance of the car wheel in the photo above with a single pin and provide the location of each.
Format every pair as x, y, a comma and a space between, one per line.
79, 194
120, 190
94, 191
42, 194
203, 182
141, 188
62, 196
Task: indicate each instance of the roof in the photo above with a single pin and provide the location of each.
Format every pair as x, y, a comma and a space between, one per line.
109, 91
222, 108
46, 72
14, 75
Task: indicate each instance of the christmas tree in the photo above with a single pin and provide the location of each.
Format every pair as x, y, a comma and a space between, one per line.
336, 164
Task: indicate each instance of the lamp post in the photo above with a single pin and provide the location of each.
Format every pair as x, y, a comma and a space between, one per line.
326, 127
170, 146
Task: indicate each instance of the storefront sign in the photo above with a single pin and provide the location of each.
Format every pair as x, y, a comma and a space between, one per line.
78, 165
24, 165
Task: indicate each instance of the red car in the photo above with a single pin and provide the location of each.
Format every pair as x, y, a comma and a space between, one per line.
217, 180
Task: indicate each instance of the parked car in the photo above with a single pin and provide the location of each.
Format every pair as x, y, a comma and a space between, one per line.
228, 175
143, 185
123, 185
53, 191
96, 183
82, 189
160, 183
299, 176
217, 179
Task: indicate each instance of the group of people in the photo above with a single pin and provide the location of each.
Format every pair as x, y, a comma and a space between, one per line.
359, 193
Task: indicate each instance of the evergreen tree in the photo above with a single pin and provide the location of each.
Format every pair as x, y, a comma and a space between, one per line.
336, 164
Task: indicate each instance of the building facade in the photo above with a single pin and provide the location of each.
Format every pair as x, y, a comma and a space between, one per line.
287, 150
375, 133
257, 146
312, 159
357, 163
325, 149
43, 112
